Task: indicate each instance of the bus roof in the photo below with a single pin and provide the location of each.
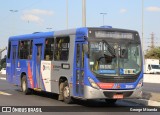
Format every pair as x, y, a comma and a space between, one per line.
76, 31
31, 36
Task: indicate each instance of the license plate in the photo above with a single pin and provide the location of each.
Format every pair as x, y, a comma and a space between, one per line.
117, 96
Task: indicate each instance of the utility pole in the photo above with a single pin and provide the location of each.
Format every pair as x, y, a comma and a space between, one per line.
84, 13
103, 17
13, 11
152, 40
142, 26
67, 14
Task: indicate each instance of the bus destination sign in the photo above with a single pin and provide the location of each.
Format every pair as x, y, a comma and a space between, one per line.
116, 35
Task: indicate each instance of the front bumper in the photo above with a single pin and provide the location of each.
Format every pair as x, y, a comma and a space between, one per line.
92, 93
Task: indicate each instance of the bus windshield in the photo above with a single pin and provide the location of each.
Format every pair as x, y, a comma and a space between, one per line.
111, 58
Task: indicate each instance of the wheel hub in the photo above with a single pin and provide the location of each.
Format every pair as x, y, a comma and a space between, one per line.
24, 86
66, 92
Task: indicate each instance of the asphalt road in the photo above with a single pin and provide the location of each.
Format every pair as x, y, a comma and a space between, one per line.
16, 98
11, 95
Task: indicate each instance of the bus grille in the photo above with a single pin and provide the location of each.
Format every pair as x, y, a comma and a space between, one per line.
117, 80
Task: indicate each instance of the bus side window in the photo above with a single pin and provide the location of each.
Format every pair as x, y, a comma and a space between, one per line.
30, 49
49, 48
25, 49
62, 49
21, 50
78, 60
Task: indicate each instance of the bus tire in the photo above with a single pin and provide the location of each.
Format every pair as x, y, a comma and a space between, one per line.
24, 85
66, 93
110, 101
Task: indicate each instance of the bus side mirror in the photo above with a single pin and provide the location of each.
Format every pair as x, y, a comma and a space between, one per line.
85, 48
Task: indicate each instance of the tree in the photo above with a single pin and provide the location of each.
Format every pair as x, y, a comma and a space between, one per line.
3, 63
153, 53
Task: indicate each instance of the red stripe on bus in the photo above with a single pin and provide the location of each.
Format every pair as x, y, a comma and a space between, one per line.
30, 76
106, 85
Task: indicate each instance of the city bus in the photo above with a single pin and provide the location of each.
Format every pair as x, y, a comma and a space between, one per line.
85, 63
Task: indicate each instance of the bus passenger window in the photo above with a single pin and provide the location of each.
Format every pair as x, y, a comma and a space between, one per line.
22, 52
30, 50
78, 59
25, 49
49, 48
62, 49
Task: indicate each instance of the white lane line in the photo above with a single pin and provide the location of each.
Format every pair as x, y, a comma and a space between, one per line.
4, 93
2, 78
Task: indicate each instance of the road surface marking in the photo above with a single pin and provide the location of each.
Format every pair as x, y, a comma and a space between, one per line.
4, 93
2, 78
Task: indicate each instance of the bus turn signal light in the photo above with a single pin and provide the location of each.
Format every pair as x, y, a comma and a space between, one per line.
93, 84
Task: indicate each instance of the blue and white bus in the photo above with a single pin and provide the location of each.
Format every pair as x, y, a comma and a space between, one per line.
85, 63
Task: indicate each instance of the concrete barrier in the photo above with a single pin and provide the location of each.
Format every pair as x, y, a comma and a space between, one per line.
151, 78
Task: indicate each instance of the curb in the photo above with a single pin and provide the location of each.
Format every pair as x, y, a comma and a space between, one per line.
1, 78
144, 102
148, 99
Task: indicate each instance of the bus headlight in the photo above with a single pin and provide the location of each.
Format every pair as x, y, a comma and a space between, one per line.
93, 84
140, 83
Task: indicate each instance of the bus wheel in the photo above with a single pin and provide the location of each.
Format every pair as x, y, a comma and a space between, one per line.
66, 93
24, 85
110, 101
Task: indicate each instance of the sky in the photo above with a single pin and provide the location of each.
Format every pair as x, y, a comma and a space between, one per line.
19, 17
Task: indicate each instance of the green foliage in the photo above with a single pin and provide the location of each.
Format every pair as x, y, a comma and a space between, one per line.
3, 63
153, 53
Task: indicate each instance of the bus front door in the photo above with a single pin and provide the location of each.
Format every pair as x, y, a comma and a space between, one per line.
37, 65
13, 62
79, 72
